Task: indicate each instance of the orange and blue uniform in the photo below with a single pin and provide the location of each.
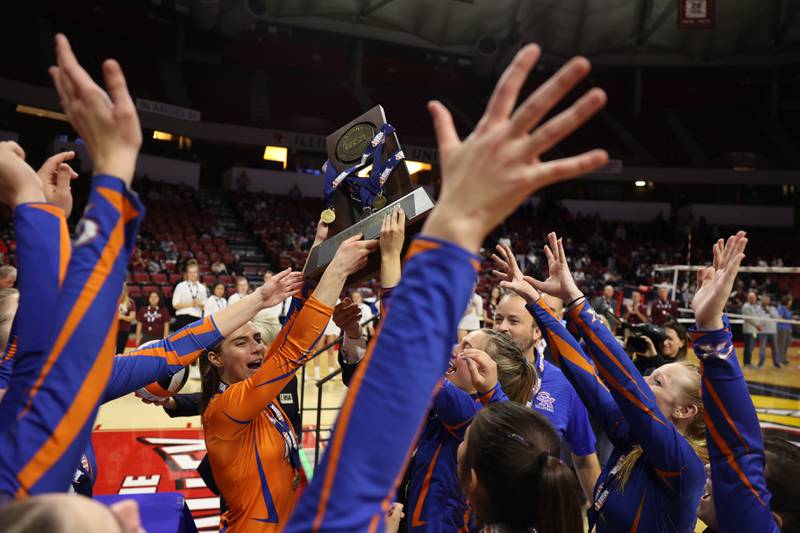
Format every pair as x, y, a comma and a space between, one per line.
735, 443
43, 252
251, 445
666, 483
436, 501
390, 394
56, 396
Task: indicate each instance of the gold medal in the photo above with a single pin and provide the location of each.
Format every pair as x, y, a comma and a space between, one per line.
328, 216
379, 202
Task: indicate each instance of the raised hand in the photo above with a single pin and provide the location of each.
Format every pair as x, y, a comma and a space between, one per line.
281, 286
347, 316
488, 175
482, 369
393, 231
56, 176
107, 122
321, 234
352, 255
393, 517
715, 283
510, 275
19, 183
559, 282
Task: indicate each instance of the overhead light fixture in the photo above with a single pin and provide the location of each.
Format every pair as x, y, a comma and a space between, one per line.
640, 183
279, 154
162, 135
39, 112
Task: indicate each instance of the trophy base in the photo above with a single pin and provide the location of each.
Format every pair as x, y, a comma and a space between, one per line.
416, 204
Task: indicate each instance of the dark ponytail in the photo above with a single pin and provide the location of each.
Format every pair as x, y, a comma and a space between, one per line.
782, 474
520, 486
210, 379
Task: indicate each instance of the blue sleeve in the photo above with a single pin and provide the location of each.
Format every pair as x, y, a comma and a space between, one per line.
568, 354
38, 453
666, 449
386, 299
456, 408
579, 432
390, 393
138, 368
43, 252
735, 445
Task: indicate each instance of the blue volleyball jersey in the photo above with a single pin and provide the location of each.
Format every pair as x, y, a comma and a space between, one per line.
43, 252
435, 500
735, 444
558, 401
384, 411
666, 483
51, 427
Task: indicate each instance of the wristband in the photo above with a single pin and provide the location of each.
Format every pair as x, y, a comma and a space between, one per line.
573, 302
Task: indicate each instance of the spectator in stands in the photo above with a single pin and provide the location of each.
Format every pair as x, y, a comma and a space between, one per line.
8, 276
494, 300
217, 299
366, 312
470, 321
218, 267
242, 290
663, 309
636, 311
785, 330
169, 249
606, 302
126, 316
138, 262
154, 266
152, 320
188, 299
751, 327
768, 333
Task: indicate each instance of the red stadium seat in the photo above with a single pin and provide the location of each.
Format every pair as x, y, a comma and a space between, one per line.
134, 291
147, 289
208, 280
174, 279
160, 279
166, 291
141, 277
227, 280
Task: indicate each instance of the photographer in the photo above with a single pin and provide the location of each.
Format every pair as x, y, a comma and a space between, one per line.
642, 340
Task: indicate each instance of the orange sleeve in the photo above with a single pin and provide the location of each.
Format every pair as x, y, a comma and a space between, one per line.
243, 401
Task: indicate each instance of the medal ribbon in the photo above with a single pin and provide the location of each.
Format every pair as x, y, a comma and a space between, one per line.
334, 180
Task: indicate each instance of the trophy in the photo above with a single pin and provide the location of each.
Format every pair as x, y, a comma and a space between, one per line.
356, 204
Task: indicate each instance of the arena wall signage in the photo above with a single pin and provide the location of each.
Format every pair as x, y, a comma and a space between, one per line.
695, 13
169, 110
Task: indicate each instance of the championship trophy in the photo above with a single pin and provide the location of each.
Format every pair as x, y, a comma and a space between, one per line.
356, 204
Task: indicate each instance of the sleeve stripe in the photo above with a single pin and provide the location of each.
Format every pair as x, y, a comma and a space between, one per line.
718, 403
566, 350
76, 417
627, 394
12, 349
83, 302
64, 246
423, 493
597, 342
725, 449
638, 517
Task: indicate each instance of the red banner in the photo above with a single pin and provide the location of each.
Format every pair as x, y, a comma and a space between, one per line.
148, 461
695, 13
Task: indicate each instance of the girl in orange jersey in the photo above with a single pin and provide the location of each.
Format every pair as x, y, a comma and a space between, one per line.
251, 444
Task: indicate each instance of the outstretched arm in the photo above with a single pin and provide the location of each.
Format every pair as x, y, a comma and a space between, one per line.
485, 178
735, 444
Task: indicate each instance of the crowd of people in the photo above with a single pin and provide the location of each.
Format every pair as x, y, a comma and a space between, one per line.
482, 411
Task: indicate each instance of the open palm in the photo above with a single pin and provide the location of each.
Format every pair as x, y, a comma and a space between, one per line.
281, 286
714, 283
559, 282
510, 275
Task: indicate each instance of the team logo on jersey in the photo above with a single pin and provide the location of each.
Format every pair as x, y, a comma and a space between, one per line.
545, 402
86, 232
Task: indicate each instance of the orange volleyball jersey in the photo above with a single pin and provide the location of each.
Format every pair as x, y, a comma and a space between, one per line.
249, 438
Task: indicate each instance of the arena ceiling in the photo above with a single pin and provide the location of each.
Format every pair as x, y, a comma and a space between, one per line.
612, 32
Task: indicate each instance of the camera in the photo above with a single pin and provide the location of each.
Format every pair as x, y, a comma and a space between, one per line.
636, 342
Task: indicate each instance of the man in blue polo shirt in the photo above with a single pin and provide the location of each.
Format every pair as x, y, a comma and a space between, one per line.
556, 399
